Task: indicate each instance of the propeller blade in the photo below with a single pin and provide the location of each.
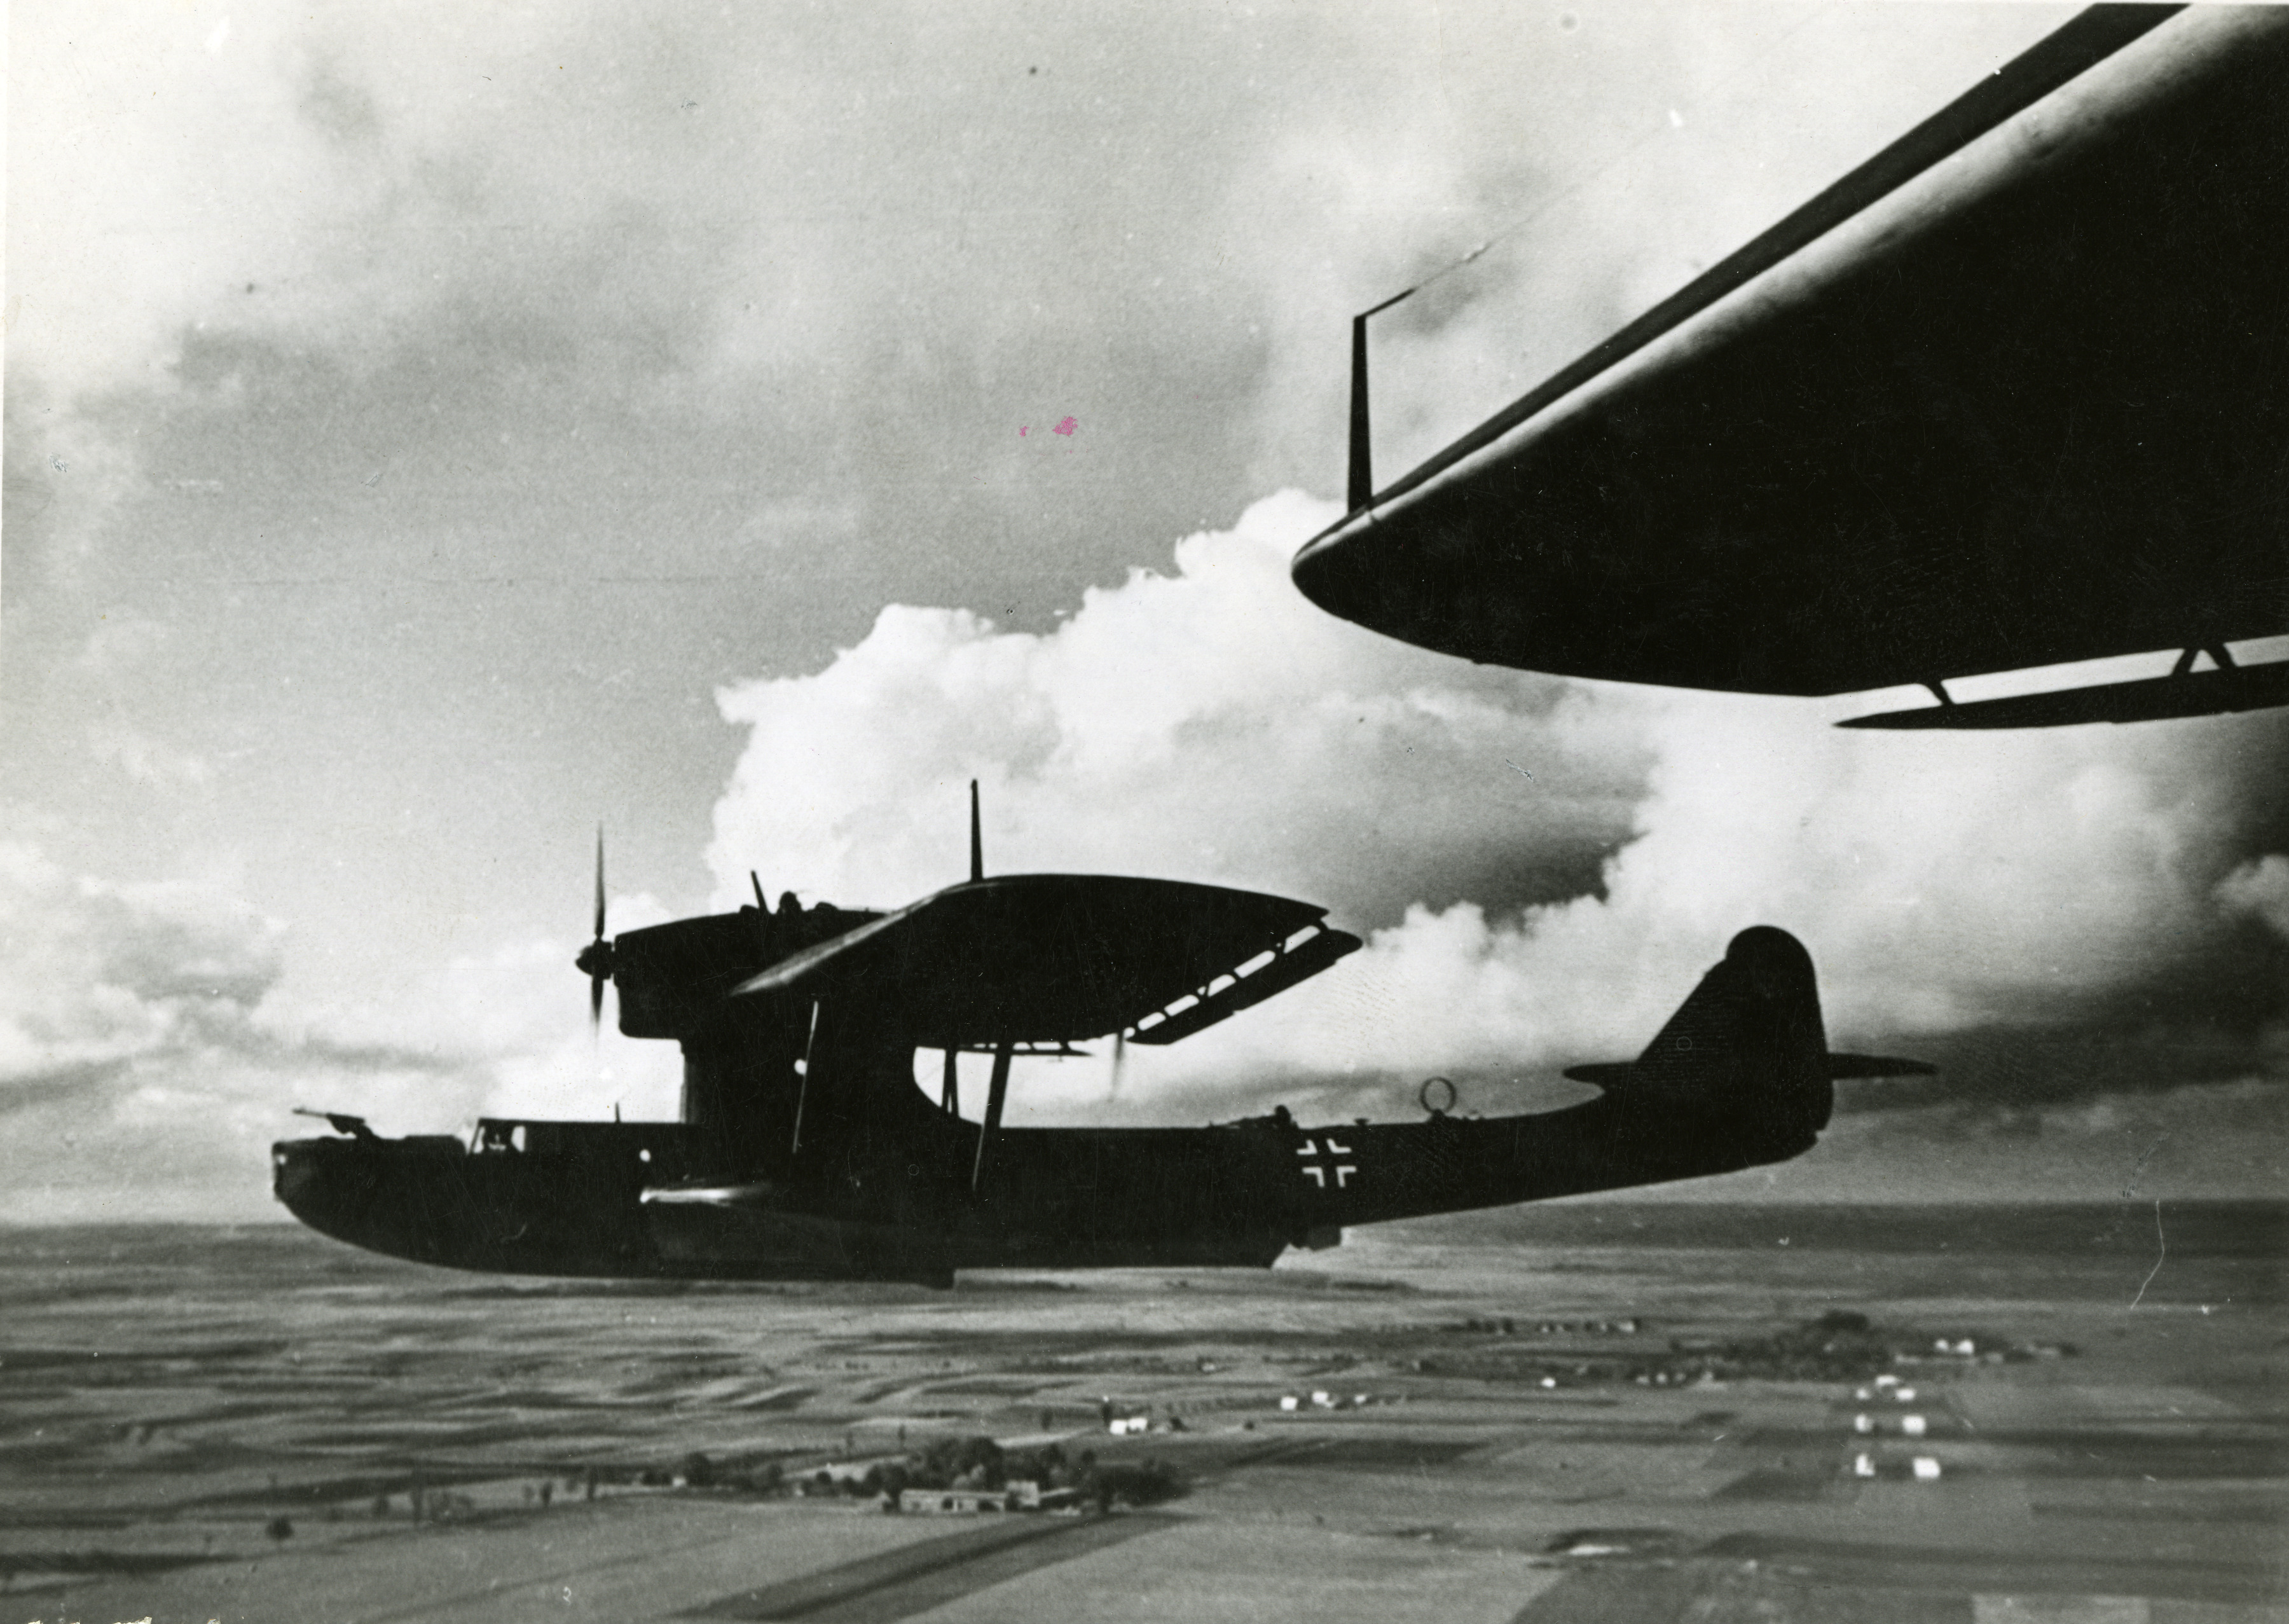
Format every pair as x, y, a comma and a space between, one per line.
596, 959
599, 932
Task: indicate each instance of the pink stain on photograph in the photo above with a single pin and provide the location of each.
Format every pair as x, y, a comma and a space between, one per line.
1022, 433
1065, 427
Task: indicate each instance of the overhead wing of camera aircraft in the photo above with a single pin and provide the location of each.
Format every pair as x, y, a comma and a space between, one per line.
2013, 394
807, 1149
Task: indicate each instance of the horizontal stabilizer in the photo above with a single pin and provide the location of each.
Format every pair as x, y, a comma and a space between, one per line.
1606, 1074
1876, 1065
2193, 692
1295, 964
1624, 1073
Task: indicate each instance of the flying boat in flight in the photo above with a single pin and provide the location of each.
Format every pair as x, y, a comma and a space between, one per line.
807, 1149
2013, 394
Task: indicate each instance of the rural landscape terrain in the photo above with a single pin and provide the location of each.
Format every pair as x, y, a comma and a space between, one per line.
1610, 1411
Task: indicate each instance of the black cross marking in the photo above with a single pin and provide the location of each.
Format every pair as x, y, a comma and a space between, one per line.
1317, 1172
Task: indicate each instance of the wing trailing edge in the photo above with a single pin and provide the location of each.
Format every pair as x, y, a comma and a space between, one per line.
1287, 967
2192, 693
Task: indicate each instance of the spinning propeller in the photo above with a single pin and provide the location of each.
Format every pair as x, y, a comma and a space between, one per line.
595, 960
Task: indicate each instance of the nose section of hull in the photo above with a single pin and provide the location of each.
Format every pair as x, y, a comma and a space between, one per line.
319, 1181
294, 1174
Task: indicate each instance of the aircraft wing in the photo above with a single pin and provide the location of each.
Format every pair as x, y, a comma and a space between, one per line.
1054, 958
2013, 394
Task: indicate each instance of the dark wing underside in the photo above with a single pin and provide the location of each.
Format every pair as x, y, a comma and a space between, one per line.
2030, 408
1050, 958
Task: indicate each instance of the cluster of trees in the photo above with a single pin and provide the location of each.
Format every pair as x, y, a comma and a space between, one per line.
981, 1463
1839, 1346
699, 1472
955, 1463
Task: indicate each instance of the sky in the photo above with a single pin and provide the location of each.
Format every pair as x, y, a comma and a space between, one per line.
434, 431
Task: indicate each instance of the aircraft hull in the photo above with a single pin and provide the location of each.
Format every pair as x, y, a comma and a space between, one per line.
846, 1171
1232, 1196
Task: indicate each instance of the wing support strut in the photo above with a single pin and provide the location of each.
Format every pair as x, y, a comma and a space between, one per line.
997, 1092
802, 1092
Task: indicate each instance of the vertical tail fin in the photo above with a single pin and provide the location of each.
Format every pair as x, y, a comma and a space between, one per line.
1748, 1043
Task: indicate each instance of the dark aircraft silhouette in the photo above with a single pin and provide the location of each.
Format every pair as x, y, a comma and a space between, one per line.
2014, 393
807, 1151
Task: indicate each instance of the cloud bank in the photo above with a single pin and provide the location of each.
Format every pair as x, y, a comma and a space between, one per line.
140, 1059
148, 1050
1543, 867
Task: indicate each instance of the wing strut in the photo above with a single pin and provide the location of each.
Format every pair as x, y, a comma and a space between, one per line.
996, 1092
802, 1093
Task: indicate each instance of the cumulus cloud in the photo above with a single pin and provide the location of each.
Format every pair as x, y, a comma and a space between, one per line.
1188, 725
103, 975
2260, 888
1543, 868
